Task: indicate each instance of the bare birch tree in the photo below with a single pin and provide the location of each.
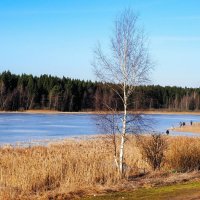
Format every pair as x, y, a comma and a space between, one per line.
124, 67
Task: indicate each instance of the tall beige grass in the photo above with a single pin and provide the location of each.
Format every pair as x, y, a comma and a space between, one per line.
183, 154
77, 165
61, 167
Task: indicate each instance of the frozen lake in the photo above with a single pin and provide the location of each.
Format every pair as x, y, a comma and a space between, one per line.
31, 127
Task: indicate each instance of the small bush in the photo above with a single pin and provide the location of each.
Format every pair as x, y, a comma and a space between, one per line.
152, 149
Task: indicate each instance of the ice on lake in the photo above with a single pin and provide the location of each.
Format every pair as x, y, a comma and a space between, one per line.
19, 127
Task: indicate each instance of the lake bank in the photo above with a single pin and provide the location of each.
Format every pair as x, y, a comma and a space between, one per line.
151, 112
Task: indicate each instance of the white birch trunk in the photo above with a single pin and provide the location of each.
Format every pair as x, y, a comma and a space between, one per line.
121, 154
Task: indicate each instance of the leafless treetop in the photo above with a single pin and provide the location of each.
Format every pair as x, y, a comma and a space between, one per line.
127, 64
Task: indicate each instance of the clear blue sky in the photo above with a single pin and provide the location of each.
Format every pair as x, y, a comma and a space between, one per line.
58, 37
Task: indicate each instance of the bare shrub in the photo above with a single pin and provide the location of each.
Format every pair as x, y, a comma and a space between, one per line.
152, 148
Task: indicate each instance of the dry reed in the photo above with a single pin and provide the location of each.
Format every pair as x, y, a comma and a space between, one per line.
61, 167
59, 170
183, 154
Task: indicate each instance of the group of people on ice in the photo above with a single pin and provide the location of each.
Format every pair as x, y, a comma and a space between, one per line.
181, 124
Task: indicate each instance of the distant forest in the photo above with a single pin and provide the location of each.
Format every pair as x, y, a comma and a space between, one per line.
25, 92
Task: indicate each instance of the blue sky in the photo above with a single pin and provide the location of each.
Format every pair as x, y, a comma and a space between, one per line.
58, 37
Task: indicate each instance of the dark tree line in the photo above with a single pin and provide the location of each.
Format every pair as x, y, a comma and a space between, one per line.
24, 92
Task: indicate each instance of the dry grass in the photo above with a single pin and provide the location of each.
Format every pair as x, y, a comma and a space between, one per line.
183, 154
194, 128
75, 167
60, 167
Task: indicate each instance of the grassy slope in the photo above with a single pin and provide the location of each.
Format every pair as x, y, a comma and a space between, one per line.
180, 191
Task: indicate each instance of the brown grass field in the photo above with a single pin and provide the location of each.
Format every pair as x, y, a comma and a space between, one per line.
75, 168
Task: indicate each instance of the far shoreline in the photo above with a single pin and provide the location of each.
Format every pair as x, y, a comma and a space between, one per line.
151, 112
